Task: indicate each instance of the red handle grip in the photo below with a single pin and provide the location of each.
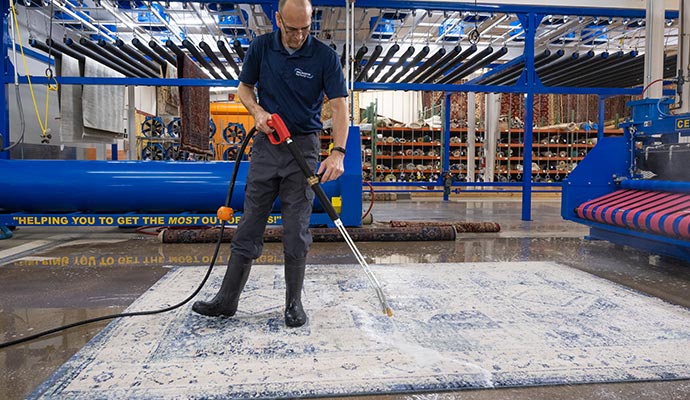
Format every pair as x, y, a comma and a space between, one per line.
280, 131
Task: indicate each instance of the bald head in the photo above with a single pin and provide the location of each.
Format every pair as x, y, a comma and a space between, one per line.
298, 6
294, 19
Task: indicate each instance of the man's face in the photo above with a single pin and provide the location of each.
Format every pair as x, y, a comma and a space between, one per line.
294, 25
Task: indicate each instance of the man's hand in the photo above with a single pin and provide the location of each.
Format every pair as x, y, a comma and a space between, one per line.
261, 119
332, 167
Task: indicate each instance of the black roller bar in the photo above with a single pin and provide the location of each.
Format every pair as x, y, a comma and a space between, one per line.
458, 74
214, 59
97, 57
162, 52
466, 65
115, 60
238, 49
389, 54
372, 59
425, 65
343, 55
401, 61
612, 79
632, 75
135, 64
422, 53
585, 58
199, 58
566, 62
147, 50
43, 47
581, 67
613, 63
65, 50
515, 70
517, 67
451, 64
175, 49
228, 56
357, 65
544, 58
127, 49
439, 64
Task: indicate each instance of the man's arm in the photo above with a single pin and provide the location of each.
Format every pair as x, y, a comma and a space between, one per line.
332, 167
248, 98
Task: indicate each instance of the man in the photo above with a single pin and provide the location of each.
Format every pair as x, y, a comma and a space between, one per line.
293, 71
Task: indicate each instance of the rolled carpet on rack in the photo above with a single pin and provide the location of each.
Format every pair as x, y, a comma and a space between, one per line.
394, 231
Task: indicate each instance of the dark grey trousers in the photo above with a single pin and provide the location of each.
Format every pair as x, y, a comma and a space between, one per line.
273, 173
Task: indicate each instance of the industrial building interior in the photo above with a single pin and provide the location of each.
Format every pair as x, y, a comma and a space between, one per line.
515, 191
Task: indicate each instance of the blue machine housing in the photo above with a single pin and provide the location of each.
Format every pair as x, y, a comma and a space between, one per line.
59, 192
613, 164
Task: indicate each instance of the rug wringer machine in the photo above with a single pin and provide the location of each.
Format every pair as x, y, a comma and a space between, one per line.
634, 189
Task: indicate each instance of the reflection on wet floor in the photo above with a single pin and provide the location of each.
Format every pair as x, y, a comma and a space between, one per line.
94, 272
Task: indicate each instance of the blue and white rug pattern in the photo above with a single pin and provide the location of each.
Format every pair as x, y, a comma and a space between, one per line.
467, 325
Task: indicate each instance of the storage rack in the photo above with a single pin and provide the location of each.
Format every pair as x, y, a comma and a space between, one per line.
528, 82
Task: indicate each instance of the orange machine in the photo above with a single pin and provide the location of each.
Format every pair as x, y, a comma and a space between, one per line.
232, 121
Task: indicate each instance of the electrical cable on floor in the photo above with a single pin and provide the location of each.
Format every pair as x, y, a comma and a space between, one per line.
163, 310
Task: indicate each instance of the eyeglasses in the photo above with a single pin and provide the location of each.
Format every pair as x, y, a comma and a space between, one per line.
293, 31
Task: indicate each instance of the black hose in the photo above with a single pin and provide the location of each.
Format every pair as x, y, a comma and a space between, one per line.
231, 187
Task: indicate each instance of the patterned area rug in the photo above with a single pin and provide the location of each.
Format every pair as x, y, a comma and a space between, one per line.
474, 325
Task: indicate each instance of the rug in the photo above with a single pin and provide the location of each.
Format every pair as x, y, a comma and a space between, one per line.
195, 109
456, 326
369, 233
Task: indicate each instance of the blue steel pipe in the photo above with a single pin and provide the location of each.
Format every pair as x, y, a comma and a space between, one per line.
58, 186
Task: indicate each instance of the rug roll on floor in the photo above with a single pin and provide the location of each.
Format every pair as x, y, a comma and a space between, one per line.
460, 227
374, 233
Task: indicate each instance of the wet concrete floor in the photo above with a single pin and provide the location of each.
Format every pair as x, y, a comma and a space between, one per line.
55, 276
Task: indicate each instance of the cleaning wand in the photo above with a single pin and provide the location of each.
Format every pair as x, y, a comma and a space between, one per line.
282, 135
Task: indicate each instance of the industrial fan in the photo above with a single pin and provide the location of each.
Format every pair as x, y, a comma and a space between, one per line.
152, 127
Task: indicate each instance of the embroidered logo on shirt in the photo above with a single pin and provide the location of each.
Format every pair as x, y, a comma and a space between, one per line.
303, 74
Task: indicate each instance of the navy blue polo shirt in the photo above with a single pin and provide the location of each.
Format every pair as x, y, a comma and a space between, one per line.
293, 86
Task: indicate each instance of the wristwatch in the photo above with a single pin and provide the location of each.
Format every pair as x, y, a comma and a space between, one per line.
340, 149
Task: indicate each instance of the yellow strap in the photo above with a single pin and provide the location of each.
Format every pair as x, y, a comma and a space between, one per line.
49, 87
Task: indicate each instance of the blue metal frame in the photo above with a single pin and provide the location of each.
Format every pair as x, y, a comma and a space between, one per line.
530, 17
7, 67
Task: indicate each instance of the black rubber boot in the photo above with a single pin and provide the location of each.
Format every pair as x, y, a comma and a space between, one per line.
294, 279
228, 297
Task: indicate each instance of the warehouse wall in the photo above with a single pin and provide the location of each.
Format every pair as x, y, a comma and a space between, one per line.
400, 106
